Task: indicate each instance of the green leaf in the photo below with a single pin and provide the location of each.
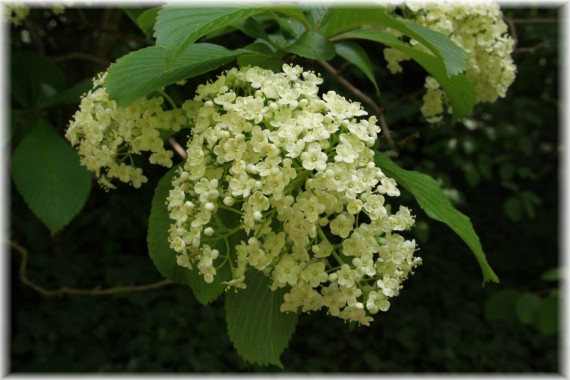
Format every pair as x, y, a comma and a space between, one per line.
454, 57
527, 307
259, 47
259, 331
177, 28
143, 71
431, 199
344, 19
252, 28
264, 61
219, 33
317, 15
292, 13
132, 12
554, 274
147, 19
35, 79
548, 315
472, 175
261, 54
164, 257
501, 306
507, 171
47, 173
290, 28
312, 45
529, 200
356, 55
72, 95
459, 89
513, 209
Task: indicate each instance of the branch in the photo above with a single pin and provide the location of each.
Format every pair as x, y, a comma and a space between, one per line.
85, 56
85, 292
513, 29
530, 49
178, 148
379, 111
411, 137
535, 20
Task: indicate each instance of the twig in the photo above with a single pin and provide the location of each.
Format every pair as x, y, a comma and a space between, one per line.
535, 20
78, 55
343, 67
393, 152
113, 33
409, 95
408, 138
85, 292
379, 111
530, 49
126, 37
178, 148
513, 29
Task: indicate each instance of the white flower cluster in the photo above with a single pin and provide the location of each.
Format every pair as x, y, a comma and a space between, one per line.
16, 13
480, 30
297, 171
107, 136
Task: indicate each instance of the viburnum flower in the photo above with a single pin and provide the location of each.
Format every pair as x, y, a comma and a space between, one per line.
477, 28
282, 180
16, 12
107, 137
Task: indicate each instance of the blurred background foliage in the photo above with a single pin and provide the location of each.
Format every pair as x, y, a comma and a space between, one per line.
500, 167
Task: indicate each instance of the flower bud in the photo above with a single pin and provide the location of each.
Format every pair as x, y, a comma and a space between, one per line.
229, 201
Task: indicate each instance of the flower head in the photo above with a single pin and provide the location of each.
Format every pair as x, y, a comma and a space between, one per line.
107, 137
477, 28
283, 181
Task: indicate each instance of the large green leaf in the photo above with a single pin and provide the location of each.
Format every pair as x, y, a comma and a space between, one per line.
454, 57
143, 71
432, 200
164, 257
356, 55
313, 45
47, 173
178, 27
257, 328
459, 89
345, 19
